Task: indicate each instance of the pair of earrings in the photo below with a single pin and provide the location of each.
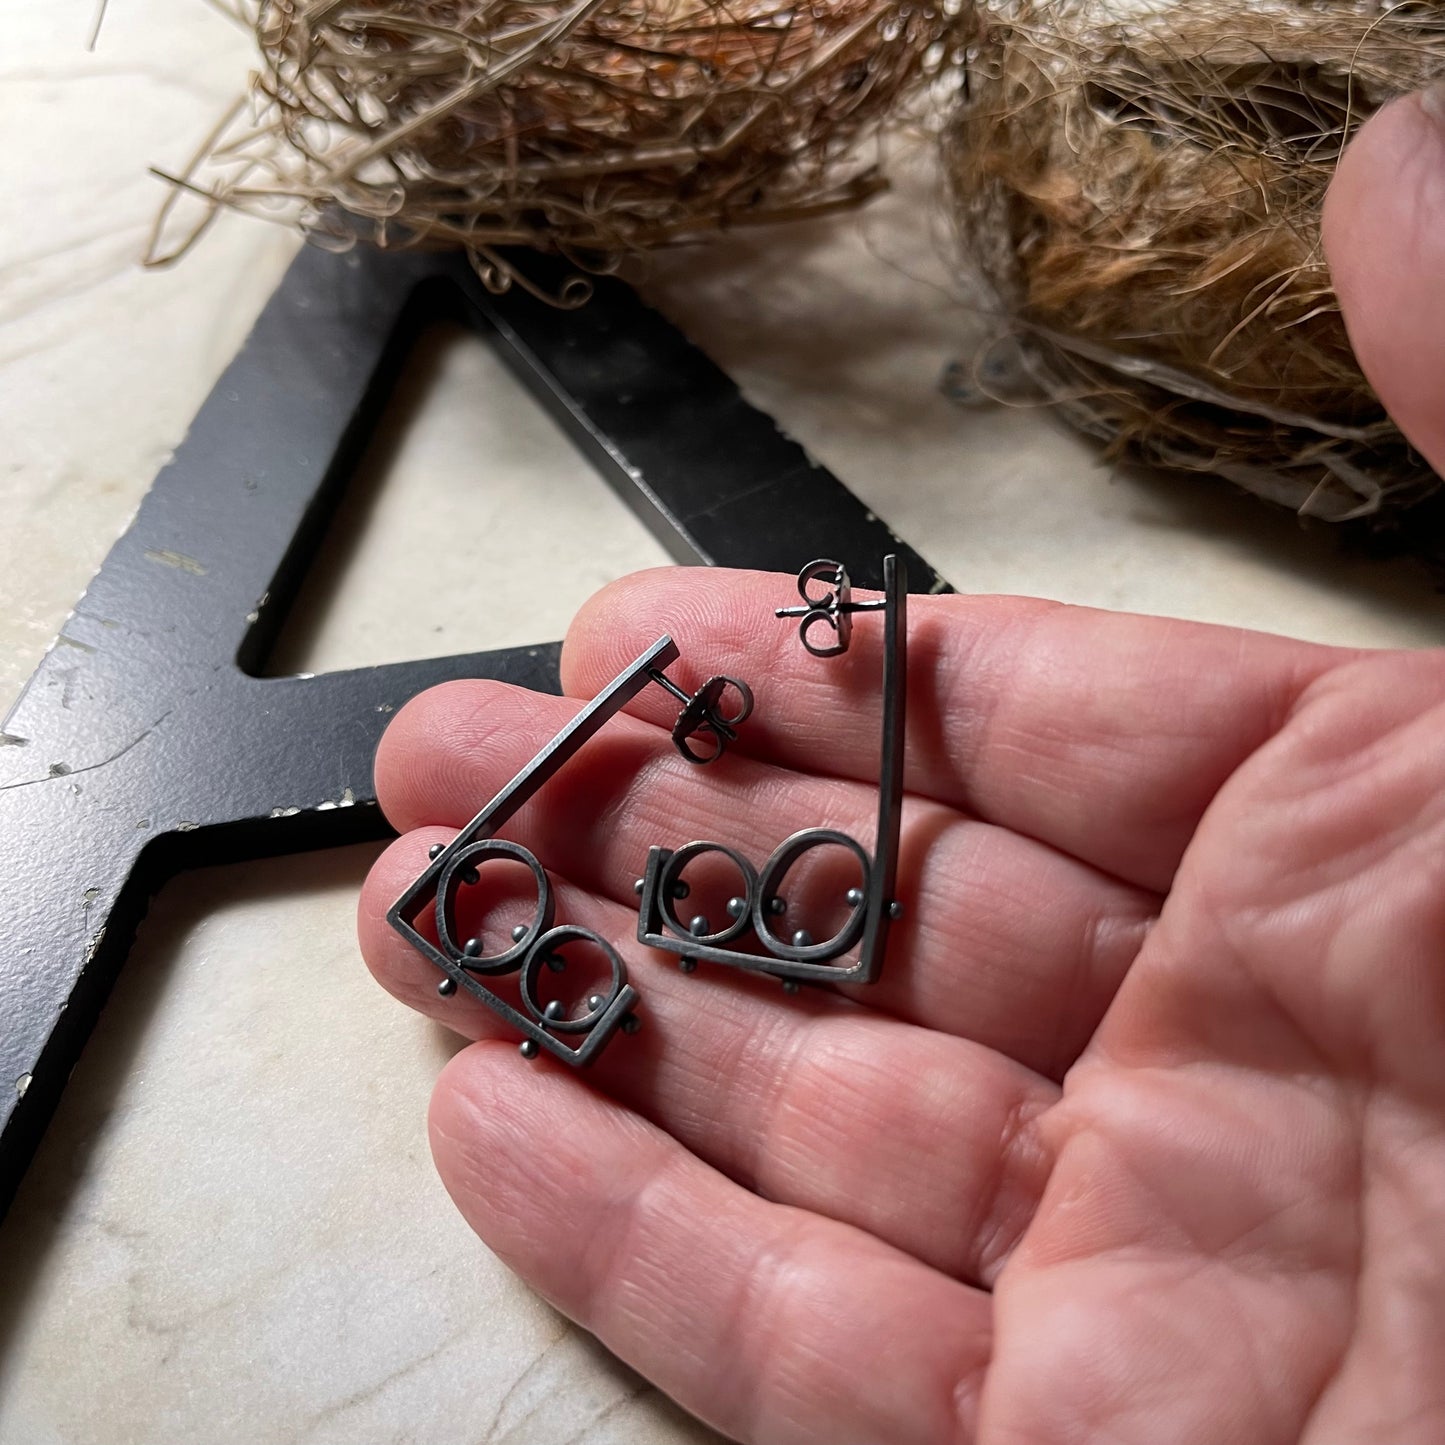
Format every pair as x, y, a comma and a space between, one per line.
707, 724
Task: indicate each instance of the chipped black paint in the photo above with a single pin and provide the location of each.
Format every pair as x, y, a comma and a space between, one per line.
146, 743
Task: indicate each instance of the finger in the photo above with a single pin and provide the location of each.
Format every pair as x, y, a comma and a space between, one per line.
1385, 237
926, 1141
1101, 734
975, 953
770, 1323
1193, 1273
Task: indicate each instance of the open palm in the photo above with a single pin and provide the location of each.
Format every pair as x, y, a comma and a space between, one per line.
1141, 1139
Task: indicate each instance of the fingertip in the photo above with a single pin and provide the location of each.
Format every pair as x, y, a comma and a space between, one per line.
464, 1097
717, 613
1384, 235
390, 876
624, 605
492, 1125
466, 1108
449, 749
404, 752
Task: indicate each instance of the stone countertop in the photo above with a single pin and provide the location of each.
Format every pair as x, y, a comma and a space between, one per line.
233, 1231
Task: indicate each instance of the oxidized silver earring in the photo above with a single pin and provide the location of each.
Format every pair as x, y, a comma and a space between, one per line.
825, 630
702, 734
706, 726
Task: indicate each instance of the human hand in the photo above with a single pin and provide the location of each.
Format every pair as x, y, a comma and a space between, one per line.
1142, 1136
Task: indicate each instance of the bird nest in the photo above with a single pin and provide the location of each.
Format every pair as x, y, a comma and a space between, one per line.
1141, 190
593, 128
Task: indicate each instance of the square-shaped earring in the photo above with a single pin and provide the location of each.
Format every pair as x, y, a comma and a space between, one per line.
795, 956
705, 727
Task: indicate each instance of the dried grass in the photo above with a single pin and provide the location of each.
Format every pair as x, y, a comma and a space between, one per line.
593, 128
1141, 188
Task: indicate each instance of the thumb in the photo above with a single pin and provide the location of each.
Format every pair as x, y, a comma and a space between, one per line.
1384, 231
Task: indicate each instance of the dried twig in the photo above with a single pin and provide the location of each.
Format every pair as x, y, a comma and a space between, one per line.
592, 127
1141, 189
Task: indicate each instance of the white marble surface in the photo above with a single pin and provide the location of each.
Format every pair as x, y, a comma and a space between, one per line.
466, 484
233, 1232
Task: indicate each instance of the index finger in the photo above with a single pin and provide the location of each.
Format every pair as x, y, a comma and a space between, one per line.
1105, 735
